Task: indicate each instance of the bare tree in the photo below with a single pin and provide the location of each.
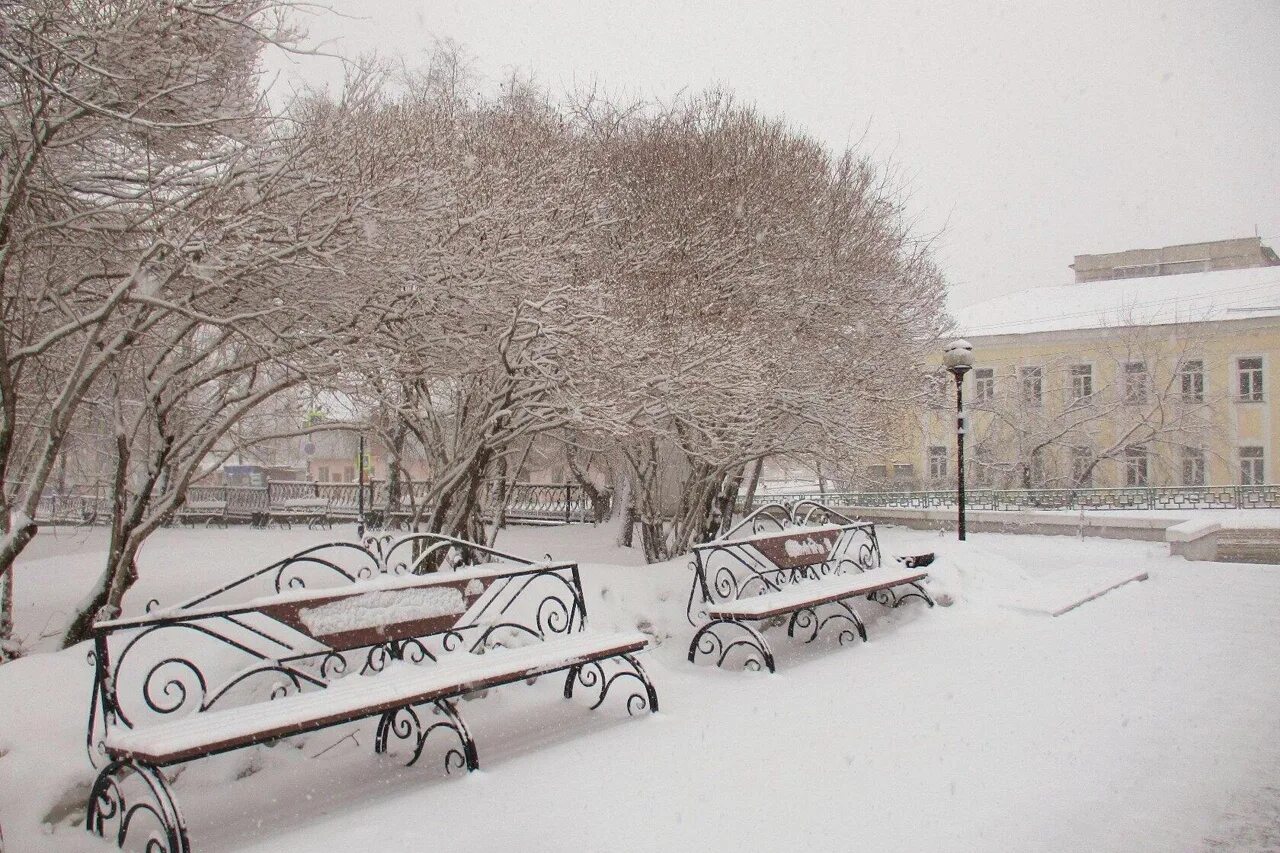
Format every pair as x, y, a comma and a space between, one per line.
481, 355
773, 297
165, 248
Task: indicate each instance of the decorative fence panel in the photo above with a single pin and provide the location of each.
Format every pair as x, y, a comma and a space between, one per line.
1128, 497
541, 502
563, 502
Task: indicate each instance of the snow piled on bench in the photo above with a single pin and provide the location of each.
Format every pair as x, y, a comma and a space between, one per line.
400, 684
382, 607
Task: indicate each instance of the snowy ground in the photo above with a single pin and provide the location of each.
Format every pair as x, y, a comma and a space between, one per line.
1144, 720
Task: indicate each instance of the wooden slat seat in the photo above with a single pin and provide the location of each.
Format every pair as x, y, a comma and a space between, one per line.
813, 593
312, 511
207, 511
358, 697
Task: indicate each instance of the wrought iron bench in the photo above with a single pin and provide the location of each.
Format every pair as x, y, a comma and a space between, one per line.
313, 512
210, 512
209, 676
805, 562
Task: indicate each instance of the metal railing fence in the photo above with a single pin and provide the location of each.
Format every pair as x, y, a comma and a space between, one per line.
548, 502
1125, 497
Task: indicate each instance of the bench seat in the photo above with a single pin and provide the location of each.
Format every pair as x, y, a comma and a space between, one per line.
812, 593
207, 511
357, 697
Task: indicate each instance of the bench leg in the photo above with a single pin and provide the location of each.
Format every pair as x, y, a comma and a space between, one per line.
892, 598
709, 642
807, 619
407, 724
591, 676
152, 810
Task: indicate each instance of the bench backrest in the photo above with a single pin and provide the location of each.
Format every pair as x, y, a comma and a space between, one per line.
212, 653
796, 547
204, 505
732, 569
305, 503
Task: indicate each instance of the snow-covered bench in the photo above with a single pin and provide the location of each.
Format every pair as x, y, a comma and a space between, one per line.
208, 511
801, 569
313, 512
200, 679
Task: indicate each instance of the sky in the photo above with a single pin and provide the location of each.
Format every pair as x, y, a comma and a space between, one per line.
1025, 132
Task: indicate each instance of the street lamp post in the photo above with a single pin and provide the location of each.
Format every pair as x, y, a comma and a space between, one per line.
958, 357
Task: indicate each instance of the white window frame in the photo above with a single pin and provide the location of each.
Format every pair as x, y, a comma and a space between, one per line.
937, 462
984, 387
1135, 393
1137, 466
1193, 456
1071, 374
1039, 384
1253, 467
1076, 453
1185, 377
1256, 394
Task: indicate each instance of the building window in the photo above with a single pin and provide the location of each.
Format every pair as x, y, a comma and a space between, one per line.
1135, 465
1032, 385
937, 387
1192, 377
877, 473
984, 384
1193, 466
1036, 472
1082, 467
349, 474
904, 473
983, 467
323, 475
1249, 371
1081, 382
1251, 466
1135, 382
937, 462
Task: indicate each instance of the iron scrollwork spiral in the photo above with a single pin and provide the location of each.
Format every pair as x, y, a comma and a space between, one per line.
812, 621
593, 677
897, 596
709, 642
408, 725
128, 799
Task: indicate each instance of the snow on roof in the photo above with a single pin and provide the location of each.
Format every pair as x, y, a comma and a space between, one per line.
1157, 300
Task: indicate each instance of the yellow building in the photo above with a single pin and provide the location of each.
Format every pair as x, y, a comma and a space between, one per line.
1156, 368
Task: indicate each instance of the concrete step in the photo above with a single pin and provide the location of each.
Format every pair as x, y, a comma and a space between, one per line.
1254, 545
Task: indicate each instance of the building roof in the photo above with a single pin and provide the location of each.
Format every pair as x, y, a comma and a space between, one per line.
1187, 298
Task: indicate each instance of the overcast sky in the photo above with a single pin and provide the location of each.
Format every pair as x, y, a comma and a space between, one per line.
1029, 132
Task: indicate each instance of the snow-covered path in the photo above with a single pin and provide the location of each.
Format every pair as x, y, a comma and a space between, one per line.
1142, 721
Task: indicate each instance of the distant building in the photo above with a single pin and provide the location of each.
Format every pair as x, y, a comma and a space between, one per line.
1157, 368
1242, 253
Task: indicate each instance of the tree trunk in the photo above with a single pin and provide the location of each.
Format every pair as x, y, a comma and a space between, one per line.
753, 481
119, 575
504, 489
601, 501
109, 583
13, 543
626, 536
394, 472
8, 647
727, 501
